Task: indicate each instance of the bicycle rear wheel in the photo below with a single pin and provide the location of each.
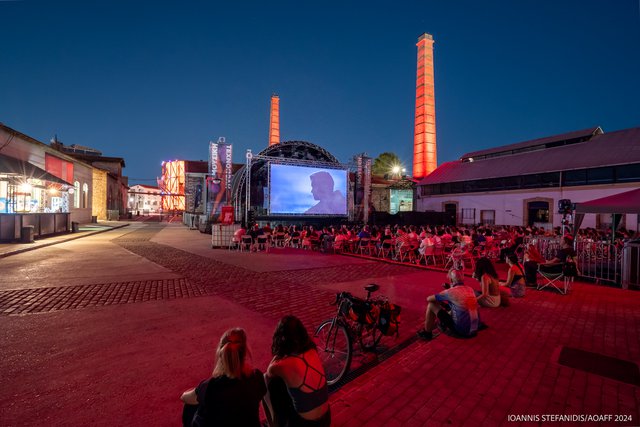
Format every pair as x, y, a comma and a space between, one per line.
334, 349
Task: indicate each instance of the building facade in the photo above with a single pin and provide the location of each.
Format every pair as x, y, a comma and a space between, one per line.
115, 201
144, 199
521, 184
40, 187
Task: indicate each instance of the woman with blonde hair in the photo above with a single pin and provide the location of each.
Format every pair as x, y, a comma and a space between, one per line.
231, 397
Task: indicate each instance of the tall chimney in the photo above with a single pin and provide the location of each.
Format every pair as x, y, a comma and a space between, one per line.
274, 121
424, 140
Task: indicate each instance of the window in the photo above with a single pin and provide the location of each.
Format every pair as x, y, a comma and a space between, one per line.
468, 216
85, 195
628, 173
574, 177
488, 217
600, 175
76, 194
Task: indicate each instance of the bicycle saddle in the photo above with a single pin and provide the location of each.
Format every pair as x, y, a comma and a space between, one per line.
371, 288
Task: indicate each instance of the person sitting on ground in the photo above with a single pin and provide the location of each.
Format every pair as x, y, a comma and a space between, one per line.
485, 273
464, 319
296, 382
232, 396
515, 277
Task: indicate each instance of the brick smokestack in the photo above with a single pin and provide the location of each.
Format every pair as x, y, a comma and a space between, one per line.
274, 121
424, 140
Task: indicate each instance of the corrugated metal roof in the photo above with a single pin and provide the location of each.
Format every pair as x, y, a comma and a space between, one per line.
584, 133
614, 148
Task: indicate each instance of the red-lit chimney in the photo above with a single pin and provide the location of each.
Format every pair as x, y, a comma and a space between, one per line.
274, 121
424, 140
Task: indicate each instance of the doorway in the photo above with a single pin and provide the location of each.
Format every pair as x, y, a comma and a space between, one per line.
538, 212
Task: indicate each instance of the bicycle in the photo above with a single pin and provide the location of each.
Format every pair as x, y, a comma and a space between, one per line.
356, 319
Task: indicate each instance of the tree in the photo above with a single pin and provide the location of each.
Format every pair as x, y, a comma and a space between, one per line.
384, 164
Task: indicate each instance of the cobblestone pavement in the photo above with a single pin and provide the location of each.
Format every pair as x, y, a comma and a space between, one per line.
272, 294
39, 300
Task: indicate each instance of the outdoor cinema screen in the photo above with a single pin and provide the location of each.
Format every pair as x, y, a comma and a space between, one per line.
302, 190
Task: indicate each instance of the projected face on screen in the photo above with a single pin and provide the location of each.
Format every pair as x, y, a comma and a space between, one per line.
307, 190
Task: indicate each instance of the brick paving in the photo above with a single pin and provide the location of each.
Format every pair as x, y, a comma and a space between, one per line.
508, 370
273, 294
39, 300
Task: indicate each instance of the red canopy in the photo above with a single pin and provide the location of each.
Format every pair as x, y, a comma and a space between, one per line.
621, 203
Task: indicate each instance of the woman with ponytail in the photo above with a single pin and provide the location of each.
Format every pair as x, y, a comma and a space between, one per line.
231, 397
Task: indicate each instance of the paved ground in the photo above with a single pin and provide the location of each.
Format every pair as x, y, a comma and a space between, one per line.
111, 328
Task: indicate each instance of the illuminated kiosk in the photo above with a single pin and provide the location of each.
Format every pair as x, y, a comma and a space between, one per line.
284, 183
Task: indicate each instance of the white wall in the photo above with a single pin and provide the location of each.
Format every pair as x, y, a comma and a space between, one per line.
509, 205
150, 200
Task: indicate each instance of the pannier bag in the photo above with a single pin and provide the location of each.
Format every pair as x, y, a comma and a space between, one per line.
389, 318
363, 312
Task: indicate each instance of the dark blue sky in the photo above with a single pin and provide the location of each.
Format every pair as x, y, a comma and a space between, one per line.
156, 80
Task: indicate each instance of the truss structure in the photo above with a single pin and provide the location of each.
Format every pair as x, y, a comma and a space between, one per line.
171, 185
298, 153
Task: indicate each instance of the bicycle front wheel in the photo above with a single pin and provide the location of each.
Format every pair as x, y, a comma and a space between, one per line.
334, 349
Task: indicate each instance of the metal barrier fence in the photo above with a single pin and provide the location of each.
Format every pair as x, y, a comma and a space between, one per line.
631, 263
547, 246
600, 261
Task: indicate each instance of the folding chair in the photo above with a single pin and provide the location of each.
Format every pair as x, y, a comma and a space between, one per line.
234, 243
455, 258
247, 243
294, 242
438, 252
386, 249
278, 240
262, 243
553, 276
406, 252
363, 246
429, 252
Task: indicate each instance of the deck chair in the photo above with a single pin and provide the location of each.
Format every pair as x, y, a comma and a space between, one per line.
553, 276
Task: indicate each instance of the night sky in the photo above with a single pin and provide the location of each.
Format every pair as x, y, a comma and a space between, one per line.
156, 80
